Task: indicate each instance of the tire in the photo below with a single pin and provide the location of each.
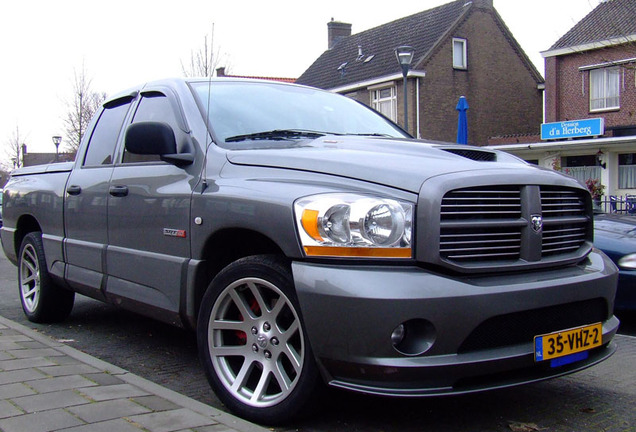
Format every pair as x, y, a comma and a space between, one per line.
253, 344
42, 300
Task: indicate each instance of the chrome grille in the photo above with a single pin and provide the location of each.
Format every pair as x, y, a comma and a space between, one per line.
561, 203
482, 203
492, 225
471, 224
567, 230
480, 243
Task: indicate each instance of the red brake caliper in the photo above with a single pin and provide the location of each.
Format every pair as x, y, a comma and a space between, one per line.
240, 335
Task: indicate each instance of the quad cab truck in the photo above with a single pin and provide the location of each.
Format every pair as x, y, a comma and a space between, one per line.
309, 240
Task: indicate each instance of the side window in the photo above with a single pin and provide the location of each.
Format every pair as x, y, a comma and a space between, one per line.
459, 54
152, 107
101, 146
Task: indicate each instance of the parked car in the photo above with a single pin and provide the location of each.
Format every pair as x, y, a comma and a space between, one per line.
616, 236
304, 237
1, 191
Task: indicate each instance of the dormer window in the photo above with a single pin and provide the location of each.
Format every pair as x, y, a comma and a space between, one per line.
459, 54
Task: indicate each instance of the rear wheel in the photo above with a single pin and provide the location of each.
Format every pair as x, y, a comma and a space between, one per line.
252, 341
42, 300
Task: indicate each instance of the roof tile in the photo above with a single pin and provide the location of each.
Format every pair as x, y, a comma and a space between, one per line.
340, 65
610, 19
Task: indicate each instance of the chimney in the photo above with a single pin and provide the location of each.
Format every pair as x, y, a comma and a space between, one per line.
337, 31
220, 72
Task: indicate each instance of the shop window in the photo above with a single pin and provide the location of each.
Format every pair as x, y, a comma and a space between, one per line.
581, 167
627, 171
605, 88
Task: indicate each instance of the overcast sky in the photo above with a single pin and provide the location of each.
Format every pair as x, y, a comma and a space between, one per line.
124, 43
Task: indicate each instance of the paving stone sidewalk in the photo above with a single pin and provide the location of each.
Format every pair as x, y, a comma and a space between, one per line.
48, 386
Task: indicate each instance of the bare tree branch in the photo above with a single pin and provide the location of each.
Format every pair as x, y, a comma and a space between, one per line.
14, 149
81, 108
205, 60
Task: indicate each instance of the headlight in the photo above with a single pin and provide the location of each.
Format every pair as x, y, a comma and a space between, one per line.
628, 262
349, 225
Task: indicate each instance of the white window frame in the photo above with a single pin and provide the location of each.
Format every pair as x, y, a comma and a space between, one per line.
378, 101
460, 59
626, 174
605, 89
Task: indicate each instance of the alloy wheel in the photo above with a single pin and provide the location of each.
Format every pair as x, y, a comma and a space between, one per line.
256, 342
30, 278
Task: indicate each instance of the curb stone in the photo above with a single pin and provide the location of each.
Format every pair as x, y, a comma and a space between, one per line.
154, 420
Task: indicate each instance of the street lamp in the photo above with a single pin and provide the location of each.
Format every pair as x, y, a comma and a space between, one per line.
57, 140
404, 55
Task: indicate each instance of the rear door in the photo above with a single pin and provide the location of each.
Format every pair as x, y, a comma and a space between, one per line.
85, 204
148, 219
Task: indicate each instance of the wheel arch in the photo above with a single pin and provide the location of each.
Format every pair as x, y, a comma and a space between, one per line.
26, 224
221, 249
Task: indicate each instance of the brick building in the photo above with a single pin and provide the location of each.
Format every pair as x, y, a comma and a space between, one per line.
30, 159
462, 48
591, 78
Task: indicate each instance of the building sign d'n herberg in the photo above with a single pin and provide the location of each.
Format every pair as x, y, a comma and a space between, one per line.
573, 129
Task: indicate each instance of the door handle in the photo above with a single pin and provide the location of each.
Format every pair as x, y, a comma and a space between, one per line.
118, 191
74, 190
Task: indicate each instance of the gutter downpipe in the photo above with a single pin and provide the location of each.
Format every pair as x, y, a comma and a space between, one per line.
417, 108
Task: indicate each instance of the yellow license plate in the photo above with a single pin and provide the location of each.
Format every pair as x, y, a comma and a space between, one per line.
567, 342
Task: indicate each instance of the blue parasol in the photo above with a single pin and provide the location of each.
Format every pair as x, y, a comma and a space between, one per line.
462, 121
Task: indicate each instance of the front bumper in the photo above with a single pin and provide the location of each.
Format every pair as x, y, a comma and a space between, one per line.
475, 332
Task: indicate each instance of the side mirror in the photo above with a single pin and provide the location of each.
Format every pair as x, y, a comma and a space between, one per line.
150, 138
155, 138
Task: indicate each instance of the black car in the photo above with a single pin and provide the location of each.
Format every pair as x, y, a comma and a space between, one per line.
616, 236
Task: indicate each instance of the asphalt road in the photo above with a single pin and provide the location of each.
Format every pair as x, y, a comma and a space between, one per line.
601, 398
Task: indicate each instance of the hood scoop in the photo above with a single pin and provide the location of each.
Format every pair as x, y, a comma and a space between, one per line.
476, 155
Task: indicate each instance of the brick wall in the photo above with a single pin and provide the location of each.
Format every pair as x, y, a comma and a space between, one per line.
568, 89
500, 89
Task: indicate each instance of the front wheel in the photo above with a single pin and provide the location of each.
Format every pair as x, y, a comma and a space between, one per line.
252, 341
42, 300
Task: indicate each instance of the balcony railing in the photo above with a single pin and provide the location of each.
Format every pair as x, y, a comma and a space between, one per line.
625, 204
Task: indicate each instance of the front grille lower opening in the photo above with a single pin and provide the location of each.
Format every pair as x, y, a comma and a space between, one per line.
522, 327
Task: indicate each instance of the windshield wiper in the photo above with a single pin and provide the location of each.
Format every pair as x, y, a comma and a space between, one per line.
371, 134
277, 134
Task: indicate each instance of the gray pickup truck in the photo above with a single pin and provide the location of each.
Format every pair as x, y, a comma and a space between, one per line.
309, 240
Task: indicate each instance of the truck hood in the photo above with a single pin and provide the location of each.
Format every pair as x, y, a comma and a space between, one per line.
402, 164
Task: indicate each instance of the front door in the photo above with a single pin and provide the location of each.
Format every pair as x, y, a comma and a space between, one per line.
148, 223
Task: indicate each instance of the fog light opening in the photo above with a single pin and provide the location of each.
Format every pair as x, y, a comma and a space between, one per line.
413, 337
398, 335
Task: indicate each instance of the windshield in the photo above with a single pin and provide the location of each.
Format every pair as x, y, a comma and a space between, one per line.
244, 114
